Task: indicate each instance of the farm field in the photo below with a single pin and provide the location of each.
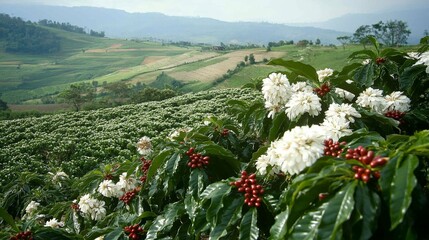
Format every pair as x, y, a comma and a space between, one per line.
27, 78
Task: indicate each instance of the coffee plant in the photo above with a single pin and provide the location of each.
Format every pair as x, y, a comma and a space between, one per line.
312, 155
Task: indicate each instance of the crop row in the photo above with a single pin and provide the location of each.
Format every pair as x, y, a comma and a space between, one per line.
77, 142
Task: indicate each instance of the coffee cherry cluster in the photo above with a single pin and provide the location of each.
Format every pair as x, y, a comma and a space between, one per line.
108, 176
145, 167
75, 206
196, 160
395, 114
370, 162
333, 149
27, 235
128, 196
322, 196
251, 189
380, 60
224, 132
323, 90
134, 231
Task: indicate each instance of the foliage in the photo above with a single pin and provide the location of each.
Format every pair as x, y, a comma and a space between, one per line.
370, 183
77, 95
25, 37
392, 33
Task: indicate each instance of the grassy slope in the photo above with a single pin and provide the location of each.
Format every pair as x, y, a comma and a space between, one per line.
46, 74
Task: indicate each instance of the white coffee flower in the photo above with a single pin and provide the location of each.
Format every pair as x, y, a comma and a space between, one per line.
92, 207
346, 111
301, 87
366, 61
144, 146
424, 59
372, 98
54, 223
397, 101
303, 102
99, 238
126, 183
32, 208
276, 91
299, 148
109, 189
323, 74
344, 94
263, 163
336, 127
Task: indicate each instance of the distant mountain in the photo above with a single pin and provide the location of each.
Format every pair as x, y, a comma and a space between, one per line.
121, 24
417, 20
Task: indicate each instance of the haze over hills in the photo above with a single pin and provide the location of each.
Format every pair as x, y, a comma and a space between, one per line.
121, 24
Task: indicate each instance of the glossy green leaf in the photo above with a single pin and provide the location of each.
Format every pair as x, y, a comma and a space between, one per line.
337, 211
410, 79
368, 208
280, 228
55, 234
308, 224
401, 188
387, 173
164, 222
197, 182
248, 227
363, 54
299, 68
8, 219
228, 216
216, 203
364, 76
279, 126
157, 162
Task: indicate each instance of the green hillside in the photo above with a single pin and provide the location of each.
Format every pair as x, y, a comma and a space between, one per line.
89, 138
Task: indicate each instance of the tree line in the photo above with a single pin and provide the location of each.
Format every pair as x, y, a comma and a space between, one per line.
69, 28
26, 37
392, 33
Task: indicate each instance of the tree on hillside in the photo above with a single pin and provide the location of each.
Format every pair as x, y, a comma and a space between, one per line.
246, 58
344, 40
78, 94
302, 43
3, 104
318, 42
252, 59
361, 35
118, 89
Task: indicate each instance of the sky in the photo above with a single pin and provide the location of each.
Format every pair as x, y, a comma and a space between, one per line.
273, 11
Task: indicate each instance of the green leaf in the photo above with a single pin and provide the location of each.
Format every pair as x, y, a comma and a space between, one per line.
279, 229
366, 53
364, 76
308, 224
279, 126
216, 204
337, 212
164, 222
114, 235
368, 207
157, 162
54, 234
297, 67
97, 232
388, 173
8, 218
197, 181
248, 226
227, 216
401, 188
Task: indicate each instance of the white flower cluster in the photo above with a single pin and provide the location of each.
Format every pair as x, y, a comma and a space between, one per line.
296, 99
299, 148
424, 59
344, 94
144, 146
92, 207
337, 120
374, 99
323, 74
31, 208
109, 189
54, 223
